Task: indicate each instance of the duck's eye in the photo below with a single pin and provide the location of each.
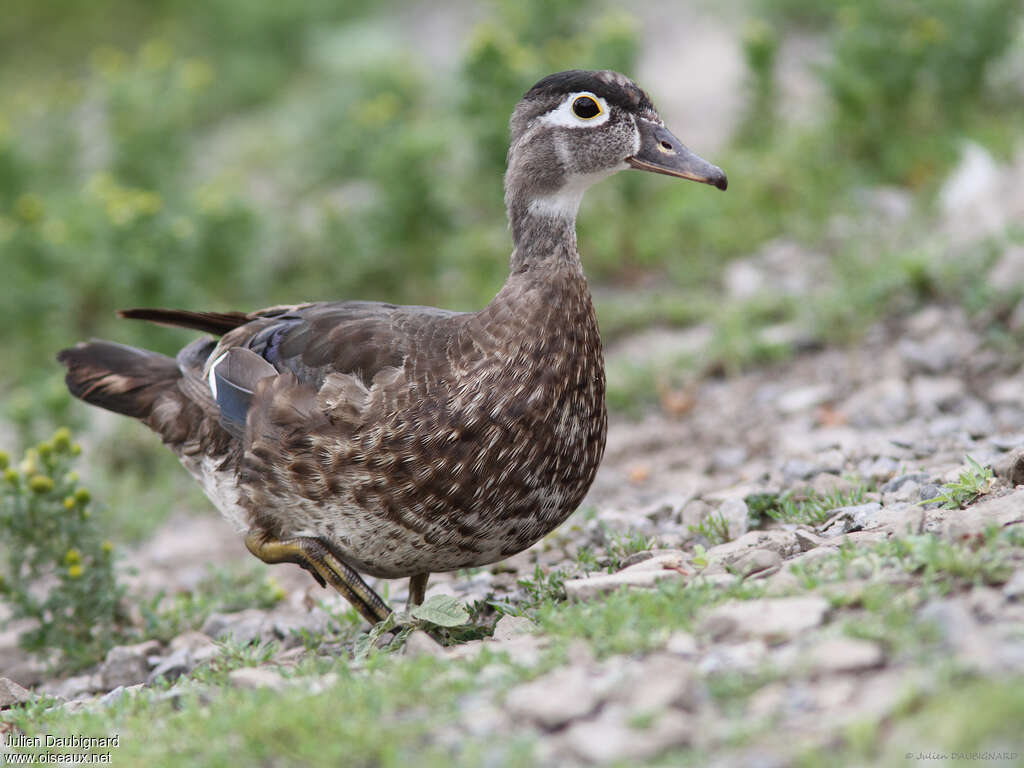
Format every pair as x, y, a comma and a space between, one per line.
586, 107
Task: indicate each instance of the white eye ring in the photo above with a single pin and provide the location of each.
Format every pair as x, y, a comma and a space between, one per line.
563, 115
586, 102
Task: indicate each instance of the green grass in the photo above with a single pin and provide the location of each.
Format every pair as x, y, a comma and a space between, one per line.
974, 481
387, 709
808, 508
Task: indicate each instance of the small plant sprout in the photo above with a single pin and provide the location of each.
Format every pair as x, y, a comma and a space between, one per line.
974, 481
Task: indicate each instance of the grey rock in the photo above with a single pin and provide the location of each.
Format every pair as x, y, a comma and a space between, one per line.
898, 482
610, 738
660, 681
1013, 589
684, 644
694, 513
243, 627
73, 687
1010, 467
637, 557
512, 626
933, 394
1007, 442
807, 540
127, 665
111, 698
11, 693
881, 404
881, 469
1007, 271
801, 398
728, 459
172, 667
773, 619
736, 515
254, 678
643, 575
733, 657
845, 654
758, 563
799, 469
781, 541
556, 698
847, 519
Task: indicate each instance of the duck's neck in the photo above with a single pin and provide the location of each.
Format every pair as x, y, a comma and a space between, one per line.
544, 232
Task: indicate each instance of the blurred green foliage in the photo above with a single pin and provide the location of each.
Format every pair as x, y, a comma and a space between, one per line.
57, 569
240, 153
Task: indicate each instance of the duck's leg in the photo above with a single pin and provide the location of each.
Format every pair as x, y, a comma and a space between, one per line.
317, 557
417, 590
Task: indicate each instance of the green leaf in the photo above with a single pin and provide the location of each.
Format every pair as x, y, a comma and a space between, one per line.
443, 610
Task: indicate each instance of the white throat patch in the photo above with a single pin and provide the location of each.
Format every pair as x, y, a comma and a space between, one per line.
565, 203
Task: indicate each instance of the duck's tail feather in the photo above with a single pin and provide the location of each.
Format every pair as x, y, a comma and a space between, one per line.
119, 378
217, 323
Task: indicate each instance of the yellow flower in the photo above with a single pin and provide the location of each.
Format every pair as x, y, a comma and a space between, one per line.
5, 459
76, 448
109, 61
73, 557
108, 547
62, 439
40, 484
82, 496
29, 208
75, 571
69, 502
196, 74
11, 475
156, 54
45, 450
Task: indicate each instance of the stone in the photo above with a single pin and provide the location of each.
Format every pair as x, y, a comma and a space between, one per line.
660, 681
242, 627
845, 654
880, 404
11, 693
113, 697
900, 480
255, 678
724, 555
1007, 271
1010, 467
643, 575
512, 626
775, 620
736, 516
557, 698
758, 563
802, 398
970, 524
611, 738
172, 667
684, 644
1013, 589
852, 518
933, 394
799, 469
127, 665
808, 540
75, 687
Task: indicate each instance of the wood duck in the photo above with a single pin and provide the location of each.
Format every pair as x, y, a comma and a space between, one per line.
401, 440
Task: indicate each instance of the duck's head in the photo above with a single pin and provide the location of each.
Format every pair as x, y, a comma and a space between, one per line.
577, 127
